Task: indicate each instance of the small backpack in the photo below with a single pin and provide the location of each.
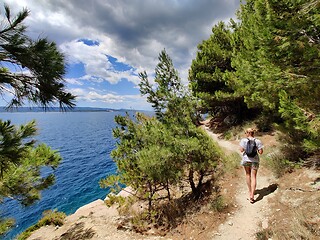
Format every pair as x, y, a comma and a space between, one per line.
251, 148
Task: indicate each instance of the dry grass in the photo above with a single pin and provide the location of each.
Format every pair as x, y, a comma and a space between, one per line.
278, 165
205, 215
177, 217
185, 217
298, 227
295, 209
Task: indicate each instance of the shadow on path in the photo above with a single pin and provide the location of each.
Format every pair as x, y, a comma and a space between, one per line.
77, 231
265, 191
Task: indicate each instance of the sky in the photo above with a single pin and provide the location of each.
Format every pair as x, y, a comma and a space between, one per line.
107, 43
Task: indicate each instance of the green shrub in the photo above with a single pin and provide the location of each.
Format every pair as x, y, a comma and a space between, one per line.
49, 218
112, 199
231, 162
233, 133
279, 165
124, 203
5, 225
218, 204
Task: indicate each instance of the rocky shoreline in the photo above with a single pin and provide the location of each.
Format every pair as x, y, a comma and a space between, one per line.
92, 221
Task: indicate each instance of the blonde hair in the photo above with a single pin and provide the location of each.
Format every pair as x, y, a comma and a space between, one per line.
251, 131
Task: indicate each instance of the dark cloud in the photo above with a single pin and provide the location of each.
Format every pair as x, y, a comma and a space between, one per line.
131, 31
145, 26
132, 21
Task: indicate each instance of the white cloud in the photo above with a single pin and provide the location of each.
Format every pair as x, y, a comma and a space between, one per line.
73, 81
92, 97
107, 98
134, 32
97, 66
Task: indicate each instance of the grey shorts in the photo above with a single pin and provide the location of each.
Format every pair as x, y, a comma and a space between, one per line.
253, 165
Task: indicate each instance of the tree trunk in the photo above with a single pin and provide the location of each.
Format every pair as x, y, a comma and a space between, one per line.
200, 180
196, 190
150, 195
191, 181
168, 190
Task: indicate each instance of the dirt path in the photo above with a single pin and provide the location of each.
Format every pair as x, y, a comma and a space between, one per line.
249, 218
97, 221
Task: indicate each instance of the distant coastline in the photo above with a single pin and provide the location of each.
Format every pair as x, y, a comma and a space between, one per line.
57, 109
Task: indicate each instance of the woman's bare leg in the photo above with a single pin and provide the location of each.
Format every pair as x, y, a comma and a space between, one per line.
253, 182
248, 179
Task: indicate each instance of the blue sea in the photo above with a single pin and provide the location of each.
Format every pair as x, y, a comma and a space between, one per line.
84, 140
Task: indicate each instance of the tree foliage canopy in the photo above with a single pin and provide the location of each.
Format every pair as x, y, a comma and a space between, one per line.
272, 54
161, 152
21, 161
38, 66
29, 71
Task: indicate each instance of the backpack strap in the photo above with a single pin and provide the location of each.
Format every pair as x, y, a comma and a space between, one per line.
254, 139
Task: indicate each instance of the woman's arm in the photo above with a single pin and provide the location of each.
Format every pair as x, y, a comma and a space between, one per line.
241, 149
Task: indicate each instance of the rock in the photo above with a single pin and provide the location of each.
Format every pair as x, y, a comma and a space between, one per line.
265, 224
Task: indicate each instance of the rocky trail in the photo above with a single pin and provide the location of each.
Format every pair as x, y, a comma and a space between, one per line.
97, 221
249, 218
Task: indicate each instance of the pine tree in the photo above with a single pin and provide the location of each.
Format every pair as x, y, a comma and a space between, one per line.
210, 76
40, 66
38, 79
278, 59
155, 153
272, 53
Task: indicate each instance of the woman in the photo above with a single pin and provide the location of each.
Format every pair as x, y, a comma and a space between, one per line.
251, 162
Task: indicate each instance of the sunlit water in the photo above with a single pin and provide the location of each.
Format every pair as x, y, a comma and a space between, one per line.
84, 140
